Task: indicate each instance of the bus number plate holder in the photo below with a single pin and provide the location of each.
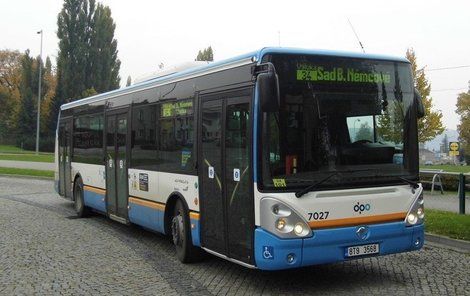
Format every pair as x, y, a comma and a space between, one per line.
362, 250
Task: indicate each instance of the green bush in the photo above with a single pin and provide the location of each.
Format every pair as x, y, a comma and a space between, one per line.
449, 182
46, 144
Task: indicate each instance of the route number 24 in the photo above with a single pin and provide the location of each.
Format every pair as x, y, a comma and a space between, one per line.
318, 215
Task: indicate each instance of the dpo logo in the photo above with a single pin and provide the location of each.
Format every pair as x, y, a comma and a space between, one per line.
359, 207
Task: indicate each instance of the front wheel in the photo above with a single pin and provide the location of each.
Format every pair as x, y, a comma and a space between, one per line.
79, 204
181, 235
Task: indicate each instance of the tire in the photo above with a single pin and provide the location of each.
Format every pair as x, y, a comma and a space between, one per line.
181, 235
79, 204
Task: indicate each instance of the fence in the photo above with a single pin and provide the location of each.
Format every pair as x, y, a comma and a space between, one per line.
437, 181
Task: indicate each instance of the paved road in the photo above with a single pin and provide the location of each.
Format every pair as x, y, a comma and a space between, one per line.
445, 202
46, 166
45, 250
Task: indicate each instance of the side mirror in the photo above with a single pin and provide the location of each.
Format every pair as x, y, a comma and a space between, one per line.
419, 104
268, 89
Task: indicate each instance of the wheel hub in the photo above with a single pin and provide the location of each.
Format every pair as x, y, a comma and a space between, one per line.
177, 230
78, 200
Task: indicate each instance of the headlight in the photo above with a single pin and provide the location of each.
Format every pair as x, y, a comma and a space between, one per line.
416, 213
412, 218
420, 212
281, 220
280, 224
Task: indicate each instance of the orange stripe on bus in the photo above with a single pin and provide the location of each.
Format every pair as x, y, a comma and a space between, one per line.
358, 220
94, 189
147, 203
194, 215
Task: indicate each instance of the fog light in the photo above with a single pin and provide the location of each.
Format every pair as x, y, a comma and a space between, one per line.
280, 224
421, 200
298, 229
290, 258
412, 219
417, 242
275, 209
420, 213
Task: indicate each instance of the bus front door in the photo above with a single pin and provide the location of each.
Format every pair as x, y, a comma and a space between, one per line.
227, 213
116, 166
65, 158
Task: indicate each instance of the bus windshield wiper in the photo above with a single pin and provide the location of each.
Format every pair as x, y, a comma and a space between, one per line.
314, 185
413, 184
309, 188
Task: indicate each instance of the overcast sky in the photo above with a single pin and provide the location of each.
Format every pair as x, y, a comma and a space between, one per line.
152, 32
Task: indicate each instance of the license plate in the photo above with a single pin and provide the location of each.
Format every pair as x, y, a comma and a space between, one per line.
362, 250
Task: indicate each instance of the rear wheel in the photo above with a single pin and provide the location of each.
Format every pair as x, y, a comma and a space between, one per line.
181, 235
79, 204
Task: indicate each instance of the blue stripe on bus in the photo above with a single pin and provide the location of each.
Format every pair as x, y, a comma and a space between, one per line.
329, 245
94, 200
147, 217
151, 215
195, 232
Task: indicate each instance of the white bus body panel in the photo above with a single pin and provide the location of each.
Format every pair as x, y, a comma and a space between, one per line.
340, 203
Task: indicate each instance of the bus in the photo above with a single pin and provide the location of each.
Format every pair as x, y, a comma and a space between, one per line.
276, 159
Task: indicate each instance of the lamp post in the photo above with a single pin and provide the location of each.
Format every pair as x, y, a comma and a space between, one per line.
39, 96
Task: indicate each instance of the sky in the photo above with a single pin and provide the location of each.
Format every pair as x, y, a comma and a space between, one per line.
151, 32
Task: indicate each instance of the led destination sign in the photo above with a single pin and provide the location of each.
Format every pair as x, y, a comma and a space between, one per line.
307, 72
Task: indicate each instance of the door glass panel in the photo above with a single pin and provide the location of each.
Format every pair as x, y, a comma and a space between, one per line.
110, 164
237, 180
68, 159
211, 176
121, 165
61, 159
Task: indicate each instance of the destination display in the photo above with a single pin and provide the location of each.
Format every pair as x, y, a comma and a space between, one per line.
336, 74
309, 72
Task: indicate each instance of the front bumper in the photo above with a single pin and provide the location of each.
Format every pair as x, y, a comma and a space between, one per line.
329, 245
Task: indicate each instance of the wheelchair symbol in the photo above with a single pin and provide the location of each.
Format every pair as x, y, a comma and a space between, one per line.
268, 252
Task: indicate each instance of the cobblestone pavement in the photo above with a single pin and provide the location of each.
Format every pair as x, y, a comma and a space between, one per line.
45, 250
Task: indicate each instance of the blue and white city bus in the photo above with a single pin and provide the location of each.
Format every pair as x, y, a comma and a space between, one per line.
275, 159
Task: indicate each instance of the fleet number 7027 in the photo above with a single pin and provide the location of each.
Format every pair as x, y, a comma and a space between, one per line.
318, 215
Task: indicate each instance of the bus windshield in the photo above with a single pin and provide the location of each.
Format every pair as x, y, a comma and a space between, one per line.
341, 116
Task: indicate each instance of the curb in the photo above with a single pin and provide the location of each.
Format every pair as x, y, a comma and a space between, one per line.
27, 177
450, 243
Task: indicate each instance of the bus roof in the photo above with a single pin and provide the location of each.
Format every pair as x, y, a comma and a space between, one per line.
225, 64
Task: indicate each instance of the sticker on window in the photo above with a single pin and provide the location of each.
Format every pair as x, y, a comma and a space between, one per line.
211, 172
279, 182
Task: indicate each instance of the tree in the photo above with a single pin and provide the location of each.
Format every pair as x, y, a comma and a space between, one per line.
104, 67
26, 122
430, 125
205, 55
463, 109
445, 144
10, 77
364, 133
49, 85
129, 81
87, 57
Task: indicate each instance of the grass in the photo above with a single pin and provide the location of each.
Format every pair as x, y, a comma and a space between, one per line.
447, 168
28, 157
448, 224
26, 172
10, 149
10, 152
